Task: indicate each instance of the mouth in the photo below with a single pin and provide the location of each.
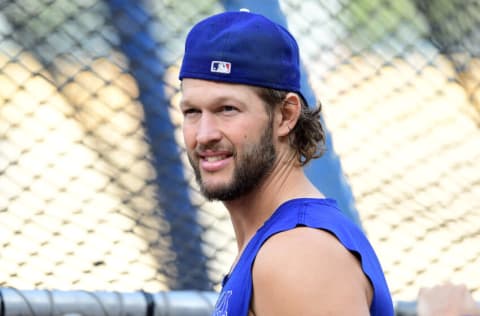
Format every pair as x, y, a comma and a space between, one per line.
215, 158
214, 161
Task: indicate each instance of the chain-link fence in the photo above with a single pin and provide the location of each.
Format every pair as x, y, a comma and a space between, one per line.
91, 162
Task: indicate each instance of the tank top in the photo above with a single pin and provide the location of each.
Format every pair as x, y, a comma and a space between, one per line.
235, 296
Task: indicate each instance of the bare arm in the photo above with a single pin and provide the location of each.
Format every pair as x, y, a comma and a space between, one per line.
308, 272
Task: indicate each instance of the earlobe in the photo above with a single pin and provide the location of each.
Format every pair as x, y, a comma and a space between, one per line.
290, 112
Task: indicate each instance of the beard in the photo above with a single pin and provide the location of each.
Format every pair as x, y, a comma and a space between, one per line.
251, 168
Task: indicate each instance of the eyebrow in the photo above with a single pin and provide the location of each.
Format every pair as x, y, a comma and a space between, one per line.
184, 103
218, 100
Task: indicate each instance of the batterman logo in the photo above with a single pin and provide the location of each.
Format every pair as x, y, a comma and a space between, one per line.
222, 67
221, 308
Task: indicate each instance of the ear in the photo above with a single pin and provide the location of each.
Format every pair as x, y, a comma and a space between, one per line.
289, 114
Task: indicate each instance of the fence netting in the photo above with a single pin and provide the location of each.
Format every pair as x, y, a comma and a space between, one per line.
93, 193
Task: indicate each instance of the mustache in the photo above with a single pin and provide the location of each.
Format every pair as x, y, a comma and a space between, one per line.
213, 147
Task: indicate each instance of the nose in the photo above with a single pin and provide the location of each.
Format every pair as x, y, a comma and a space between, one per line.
208, 130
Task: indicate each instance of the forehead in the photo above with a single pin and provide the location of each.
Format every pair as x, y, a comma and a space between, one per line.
198, 92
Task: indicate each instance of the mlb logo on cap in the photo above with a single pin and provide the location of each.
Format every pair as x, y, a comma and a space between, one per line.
222, 67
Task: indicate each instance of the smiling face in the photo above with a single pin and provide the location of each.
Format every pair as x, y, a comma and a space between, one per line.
228, 135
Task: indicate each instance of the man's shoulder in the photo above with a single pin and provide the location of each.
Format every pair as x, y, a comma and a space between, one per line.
302, 242
309, 265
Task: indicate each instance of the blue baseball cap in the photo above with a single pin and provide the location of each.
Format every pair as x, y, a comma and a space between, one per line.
242, 47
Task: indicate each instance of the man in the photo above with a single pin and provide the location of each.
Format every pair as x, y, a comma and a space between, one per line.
248, 133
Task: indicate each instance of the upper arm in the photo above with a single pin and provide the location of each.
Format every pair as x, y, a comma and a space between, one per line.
307, 271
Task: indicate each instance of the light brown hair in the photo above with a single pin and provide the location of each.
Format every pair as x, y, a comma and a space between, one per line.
307, 138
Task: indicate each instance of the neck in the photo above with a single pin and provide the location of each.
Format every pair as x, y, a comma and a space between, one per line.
286, 181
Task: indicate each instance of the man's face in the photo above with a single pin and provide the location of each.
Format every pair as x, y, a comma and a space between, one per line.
228, 136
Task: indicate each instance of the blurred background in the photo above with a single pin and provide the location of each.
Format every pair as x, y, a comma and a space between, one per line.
95, 191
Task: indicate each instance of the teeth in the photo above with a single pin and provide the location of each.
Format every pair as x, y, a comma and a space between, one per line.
214, 158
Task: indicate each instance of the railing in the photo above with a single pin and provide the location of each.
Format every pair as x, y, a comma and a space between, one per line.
14, 302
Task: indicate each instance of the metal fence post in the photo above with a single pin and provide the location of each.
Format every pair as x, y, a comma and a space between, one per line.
131, 22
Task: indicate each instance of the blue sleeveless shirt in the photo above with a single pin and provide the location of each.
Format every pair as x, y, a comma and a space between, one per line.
236, 294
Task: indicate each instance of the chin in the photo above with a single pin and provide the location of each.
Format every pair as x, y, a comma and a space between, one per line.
216, 192
214, 189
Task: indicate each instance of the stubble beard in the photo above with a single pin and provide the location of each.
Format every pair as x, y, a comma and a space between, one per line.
251, 168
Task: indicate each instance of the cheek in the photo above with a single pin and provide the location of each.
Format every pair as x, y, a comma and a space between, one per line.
254, 128
247, 134
188, 136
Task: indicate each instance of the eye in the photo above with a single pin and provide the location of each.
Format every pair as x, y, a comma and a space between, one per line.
229, 109
190, 111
